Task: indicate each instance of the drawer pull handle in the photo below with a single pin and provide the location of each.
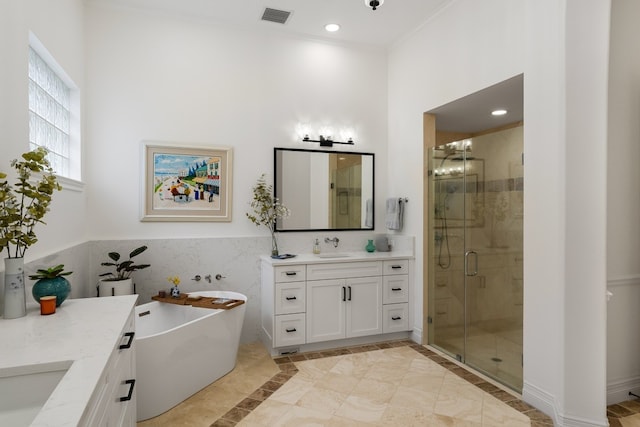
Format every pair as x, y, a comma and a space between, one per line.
128, 344
395, 267
396, 289
396, 318
132, 384
291, 273
144, 313
349, 299
441, 312
291, 298
290, 329
441, 285
344, 293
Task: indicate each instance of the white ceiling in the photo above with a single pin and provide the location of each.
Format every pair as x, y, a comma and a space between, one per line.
359, 23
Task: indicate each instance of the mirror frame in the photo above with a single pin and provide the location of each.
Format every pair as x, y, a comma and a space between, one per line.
373, 188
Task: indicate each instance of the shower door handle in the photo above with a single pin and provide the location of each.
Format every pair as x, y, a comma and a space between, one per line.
468, 255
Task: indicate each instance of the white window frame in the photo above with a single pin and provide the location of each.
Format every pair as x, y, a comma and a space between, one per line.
73, 180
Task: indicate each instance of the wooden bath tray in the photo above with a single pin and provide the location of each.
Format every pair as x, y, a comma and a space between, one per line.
203, 302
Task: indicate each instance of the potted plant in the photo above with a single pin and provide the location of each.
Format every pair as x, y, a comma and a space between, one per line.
51, 282
22, 206
267, 210
118, 281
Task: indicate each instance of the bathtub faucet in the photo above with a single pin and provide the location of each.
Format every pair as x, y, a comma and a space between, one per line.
335, 241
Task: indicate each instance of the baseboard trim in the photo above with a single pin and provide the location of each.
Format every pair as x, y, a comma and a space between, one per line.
618, 391
416, 336
546, 403
540, 399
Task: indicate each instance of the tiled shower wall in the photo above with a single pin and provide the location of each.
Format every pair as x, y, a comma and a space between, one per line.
236, 259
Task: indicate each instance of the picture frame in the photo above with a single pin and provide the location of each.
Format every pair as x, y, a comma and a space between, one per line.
185, 183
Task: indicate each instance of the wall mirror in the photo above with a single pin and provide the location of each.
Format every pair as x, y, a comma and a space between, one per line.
324, 190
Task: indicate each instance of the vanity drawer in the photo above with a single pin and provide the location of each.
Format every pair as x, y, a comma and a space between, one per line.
344, 270
290, 298
395, 317
396, 267
290, 273
395, 289
289, 330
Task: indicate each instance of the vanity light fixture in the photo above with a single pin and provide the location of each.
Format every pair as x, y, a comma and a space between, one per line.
373, 4
499, 112
327, 141
332, 28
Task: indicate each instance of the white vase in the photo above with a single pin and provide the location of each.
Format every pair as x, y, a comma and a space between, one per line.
15, 304
108, 288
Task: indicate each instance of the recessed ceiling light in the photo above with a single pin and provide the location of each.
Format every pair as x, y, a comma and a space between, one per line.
332, 28
498, 112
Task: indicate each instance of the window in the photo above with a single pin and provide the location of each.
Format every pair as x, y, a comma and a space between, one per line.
52, 104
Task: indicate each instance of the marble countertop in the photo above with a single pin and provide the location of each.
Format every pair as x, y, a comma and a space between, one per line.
338, 256
82, 333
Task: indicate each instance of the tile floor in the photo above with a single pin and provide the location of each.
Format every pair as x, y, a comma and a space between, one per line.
625, 414
396, 383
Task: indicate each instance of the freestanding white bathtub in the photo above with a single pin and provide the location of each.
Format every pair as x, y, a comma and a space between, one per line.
182, 349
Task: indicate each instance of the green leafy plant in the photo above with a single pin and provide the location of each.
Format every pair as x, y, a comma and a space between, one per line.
122, 270
24, 204
267, 209
50, 273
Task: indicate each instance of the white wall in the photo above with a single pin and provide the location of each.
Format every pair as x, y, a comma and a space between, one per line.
562, 48
59, 26
623, 198
162, 78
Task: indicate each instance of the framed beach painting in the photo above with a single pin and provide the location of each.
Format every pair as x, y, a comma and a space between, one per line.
186, 183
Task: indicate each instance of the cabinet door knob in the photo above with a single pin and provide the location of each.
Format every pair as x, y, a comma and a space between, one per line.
290, 329
396, 318
132, 384
128, 344
290, 298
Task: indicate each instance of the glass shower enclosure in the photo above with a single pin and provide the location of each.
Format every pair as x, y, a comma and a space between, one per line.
475, 287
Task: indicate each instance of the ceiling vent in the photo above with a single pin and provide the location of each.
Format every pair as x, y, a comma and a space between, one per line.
275, 15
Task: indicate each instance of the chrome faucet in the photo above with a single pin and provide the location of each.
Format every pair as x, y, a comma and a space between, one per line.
335, 241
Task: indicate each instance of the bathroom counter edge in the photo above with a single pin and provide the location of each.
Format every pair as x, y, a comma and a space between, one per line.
83, 331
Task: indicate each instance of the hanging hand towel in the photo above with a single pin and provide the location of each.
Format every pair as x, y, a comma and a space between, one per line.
395, 211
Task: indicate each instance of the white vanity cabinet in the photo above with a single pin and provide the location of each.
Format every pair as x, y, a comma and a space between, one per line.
311, 303
345, 305
113, 402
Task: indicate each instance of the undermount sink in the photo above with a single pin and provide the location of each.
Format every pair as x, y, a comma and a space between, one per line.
25, 390
334, 255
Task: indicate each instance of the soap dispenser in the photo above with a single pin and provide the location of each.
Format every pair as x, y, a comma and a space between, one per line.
316, 247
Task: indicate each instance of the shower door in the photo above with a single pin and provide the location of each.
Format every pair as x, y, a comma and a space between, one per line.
475, 261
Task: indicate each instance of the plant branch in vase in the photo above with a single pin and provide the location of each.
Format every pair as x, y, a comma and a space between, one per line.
22, 207
267, 210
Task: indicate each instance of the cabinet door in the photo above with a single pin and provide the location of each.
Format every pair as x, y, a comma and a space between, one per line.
325, 310
364, 306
